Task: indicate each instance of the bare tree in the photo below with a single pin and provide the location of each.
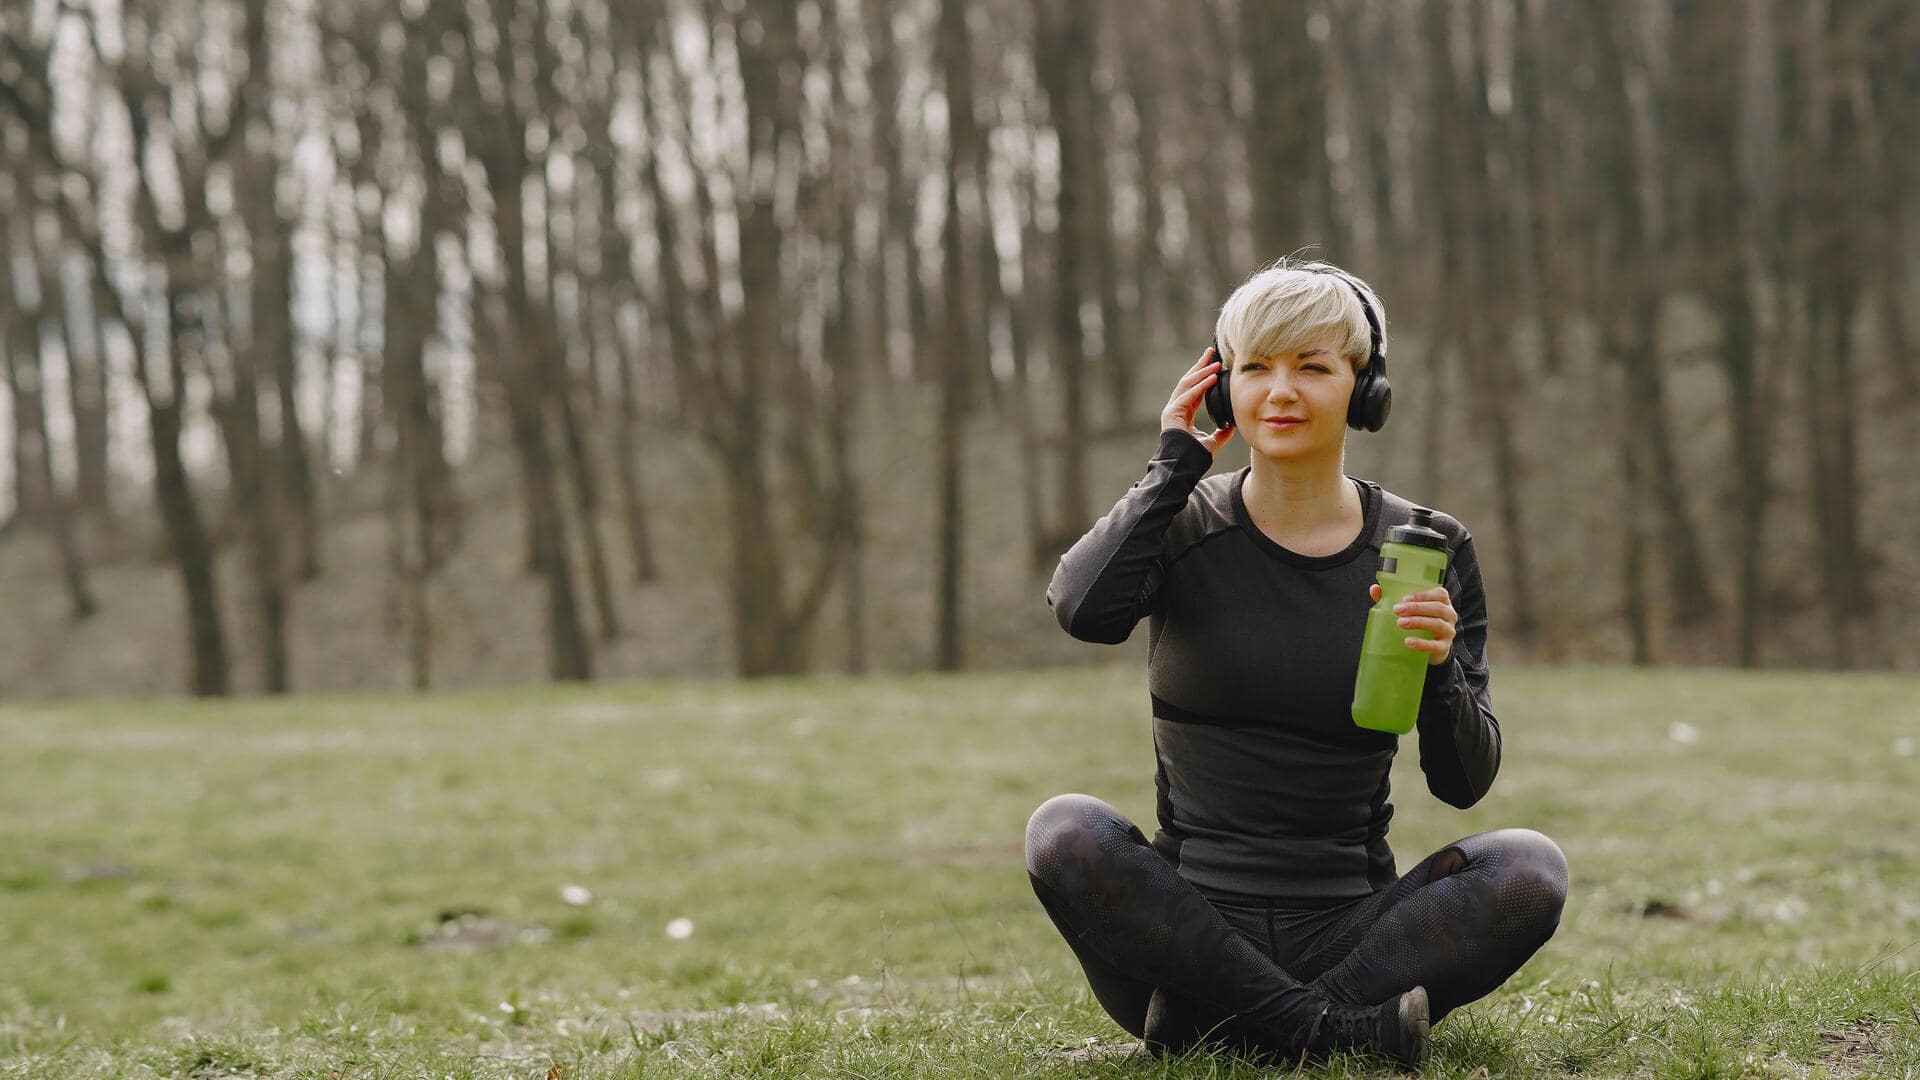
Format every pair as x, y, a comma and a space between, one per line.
26, 322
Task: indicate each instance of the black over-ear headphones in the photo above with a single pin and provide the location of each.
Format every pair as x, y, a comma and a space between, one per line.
1372, 397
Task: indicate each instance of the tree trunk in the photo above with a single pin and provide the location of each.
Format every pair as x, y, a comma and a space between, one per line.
87, 367
769, 638
20, 344
568, 654
294, 457
586, 487
1633, 569
1509, 475
186, 536
963, 159
616, 255
1064, 47
1286, 129
1687, 579
1833, 286
251, 455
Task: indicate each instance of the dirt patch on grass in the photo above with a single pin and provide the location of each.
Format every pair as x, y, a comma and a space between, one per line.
1094, 1052
1855, 1049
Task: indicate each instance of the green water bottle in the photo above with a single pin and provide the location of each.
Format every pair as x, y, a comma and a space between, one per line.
1386, 694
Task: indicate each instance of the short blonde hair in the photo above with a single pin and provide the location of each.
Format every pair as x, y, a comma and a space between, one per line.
1285, 306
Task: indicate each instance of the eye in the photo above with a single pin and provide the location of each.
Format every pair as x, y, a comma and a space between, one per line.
1252, 365
1316, 367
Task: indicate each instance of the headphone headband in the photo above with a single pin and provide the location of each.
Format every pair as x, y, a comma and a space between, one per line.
1376, 360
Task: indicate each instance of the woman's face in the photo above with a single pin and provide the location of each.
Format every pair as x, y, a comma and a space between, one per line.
1311, 386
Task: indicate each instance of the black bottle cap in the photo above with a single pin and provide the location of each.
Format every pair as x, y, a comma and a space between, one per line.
1419, 531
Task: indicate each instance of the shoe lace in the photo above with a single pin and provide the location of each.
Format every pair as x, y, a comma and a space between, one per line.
1348, 1026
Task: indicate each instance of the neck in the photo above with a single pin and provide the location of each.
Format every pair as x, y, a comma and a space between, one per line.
1304, 494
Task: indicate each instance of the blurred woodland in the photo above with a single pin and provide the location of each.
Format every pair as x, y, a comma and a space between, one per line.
772, 336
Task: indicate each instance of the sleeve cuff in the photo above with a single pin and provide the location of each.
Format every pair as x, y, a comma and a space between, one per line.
1441, 677
1183, 448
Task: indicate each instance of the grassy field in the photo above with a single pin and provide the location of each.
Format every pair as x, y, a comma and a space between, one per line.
823, 877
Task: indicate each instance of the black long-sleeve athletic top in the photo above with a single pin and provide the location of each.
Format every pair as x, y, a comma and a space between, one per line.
1266, 787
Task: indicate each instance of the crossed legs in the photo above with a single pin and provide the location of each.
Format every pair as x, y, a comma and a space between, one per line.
1170, 967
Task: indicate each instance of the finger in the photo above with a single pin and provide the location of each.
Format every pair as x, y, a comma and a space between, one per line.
1435, 610
1197, 388
1374, 591
1194, 376
1425, 646
1440, 627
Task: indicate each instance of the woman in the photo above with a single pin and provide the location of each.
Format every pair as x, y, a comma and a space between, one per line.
1266, 913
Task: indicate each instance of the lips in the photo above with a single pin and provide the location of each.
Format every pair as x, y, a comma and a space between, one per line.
1282, 421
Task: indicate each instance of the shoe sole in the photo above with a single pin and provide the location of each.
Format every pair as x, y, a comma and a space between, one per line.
1413, 1022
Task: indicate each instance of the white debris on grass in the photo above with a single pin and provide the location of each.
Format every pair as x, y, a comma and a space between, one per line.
576, 895
1785, 909
1906, 746
1683, 733
680, 929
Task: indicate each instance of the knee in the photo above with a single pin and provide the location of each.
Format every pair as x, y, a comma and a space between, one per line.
1533, 877
1061, 828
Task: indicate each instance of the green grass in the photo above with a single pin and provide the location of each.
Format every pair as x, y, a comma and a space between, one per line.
372, 886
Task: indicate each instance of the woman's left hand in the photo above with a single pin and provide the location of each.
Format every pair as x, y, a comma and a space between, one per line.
1428, 610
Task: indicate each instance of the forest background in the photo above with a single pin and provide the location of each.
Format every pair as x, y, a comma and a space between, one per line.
357, 345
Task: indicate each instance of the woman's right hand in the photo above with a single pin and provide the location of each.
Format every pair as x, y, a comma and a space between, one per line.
1185, 402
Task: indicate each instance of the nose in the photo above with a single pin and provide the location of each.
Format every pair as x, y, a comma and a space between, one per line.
1280, 388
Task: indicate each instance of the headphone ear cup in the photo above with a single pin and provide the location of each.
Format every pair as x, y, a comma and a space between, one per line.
1220, 401
1372, 401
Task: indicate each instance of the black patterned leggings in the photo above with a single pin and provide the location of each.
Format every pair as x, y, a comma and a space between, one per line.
1178, 968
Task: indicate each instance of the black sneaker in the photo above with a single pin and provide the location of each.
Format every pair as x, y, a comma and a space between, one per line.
1395, 1029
